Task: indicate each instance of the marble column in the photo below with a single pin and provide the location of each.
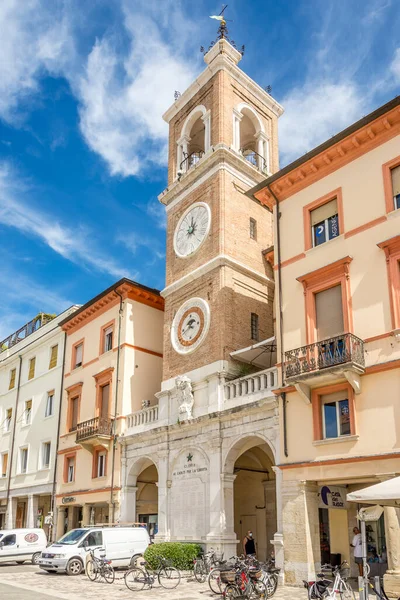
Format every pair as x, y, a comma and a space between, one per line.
391, 579
270, 513
86, 511
11, 513
128, 504
31, 516
71, 517
163, 534
60, 525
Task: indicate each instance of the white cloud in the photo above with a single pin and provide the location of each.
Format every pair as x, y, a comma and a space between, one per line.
395, 66
73, 244
315, 112
135, 241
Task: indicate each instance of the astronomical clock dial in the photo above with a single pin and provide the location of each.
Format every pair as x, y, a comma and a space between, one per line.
190, 325
192, 229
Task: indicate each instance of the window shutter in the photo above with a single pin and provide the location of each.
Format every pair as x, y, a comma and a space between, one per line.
328, 308
396, 180
53, 357
324, 212
4, 465
78, 354
105, 394
32, 364
12, 379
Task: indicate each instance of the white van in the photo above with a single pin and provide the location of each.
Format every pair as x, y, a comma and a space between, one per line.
122, 545
19, 545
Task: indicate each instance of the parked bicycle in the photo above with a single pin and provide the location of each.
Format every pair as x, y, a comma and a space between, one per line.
332, 590
244, 582
99, 567
139, 577
205, 563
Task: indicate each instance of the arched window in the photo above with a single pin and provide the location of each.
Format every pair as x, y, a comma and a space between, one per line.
249, 137
195, 139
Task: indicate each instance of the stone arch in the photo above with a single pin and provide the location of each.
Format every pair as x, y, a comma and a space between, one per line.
243, 443
194, 141
138, 466
139, 495
250, 137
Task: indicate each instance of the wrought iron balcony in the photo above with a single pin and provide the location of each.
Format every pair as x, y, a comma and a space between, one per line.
99, 427
254, 159
338, 351
190, 160
29, 328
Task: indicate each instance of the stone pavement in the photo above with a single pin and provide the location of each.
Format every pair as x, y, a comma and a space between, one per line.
79, 588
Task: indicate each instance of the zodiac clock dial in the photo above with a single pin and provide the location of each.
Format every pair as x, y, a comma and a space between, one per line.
190, 325
192, 229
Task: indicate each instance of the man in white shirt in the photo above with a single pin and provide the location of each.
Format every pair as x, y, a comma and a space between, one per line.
357, 545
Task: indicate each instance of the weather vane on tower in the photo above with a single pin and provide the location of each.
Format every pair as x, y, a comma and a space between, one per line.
222, 32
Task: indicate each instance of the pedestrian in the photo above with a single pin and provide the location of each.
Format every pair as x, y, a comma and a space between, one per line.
249, 545
357, 545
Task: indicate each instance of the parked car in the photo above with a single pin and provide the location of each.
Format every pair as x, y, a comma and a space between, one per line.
19, 545
122, 545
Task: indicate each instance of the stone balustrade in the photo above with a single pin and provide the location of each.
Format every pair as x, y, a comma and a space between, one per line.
146, 416
263, 381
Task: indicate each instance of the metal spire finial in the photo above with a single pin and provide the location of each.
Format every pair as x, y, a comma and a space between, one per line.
222, 33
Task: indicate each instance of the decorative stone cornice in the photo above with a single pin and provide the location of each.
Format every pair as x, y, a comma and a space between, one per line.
331, 157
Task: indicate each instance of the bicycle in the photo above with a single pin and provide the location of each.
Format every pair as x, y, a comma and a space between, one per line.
270, 573
321, 588
214, 576
244, 582
204, 564
99, 567
139, 577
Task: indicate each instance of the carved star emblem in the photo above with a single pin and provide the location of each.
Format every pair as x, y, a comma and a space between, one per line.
189, 457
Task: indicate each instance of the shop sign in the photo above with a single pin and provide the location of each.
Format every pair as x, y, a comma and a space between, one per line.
332, 496
68, 500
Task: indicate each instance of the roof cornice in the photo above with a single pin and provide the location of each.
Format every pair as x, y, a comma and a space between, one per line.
358, 139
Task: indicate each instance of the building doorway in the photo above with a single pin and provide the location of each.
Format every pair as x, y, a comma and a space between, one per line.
147, 499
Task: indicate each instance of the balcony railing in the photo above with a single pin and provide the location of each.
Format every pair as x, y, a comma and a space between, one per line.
263, 381
142, 417
190, 160
332, 352
254, 158
29, 328
97, 427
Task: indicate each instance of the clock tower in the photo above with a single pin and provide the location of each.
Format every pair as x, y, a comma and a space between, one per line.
209, 444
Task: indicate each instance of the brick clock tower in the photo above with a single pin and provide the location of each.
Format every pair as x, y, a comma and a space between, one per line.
219, 287
218, 302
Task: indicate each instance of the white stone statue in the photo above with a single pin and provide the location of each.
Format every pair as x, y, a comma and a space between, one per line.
184, 396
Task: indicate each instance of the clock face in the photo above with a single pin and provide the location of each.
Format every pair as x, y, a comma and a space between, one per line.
190, 325
192, 229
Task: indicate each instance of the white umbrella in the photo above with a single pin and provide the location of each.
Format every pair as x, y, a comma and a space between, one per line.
386, 493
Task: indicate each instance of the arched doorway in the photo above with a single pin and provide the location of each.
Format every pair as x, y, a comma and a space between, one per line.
147, 499
254, 493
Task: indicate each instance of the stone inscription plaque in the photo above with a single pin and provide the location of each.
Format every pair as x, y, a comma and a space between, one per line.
188, 496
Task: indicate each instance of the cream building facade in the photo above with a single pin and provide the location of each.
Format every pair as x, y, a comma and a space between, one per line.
31, 363
113, 364
338, 320
201, 465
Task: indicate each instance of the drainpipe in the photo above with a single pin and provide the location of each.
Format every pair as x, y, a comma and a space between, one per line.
53, 494
114, 424
278, 243
13, 438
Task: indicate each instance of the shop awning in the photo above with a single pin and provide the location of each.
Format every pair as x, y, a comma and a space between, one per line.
262, 354
386, 493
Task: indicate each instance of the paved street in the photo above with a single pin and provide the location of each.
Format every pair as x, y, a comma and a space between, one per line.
26, 582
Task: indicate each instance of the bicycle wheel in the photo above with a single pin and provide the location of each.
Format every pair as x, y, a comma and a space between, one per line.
135, 579
346, 593
232, 591
108, 573
199, 571
260, 590
271, 583
92, 570
169, 577
214, 581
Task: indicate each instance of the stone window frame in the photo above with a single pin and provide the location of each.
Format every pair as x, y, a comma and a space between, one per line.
74, 391
308, 208
316, 404
96, 451
67, 456
391, 248
103, 378
387, 183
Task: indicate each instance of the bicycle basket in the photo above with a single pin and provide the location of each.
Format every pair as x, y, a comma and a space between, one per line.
218, 557
318, 590
345, 572
228, 576
255, 573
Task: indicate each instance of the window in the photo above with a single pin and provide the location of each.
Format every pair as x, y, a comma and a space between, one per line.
28, 412
395, 174
325, 222
78, 355
4, 463
107, 339
95, 538
32, 364
70, 469
254, 326
23, 460
53, 357
253, 229
7, 421
74, 415
101, 464
391, 248
329, 312
9, 540
13, 374
104, 401
46, 448
335, 416
49, 405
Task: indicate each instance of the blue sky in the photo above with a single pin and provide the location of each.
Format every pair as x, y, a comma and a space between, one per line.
83, 86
